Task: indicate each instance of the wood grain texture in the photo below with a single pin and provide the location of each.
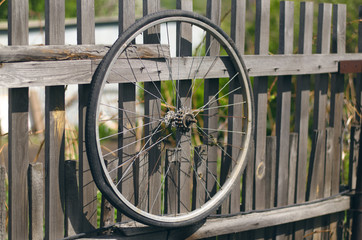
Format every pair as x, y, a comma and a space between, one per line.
87, 187
183, 93
172, 184
73, 210
107, 210
54, 162
260, 100
77, 52
36, 200
127, 120
85, 22
54, 130
126, 14
237, 32
270, 163
52, 73
337, 93
284, 104
244, 222
126, 100
199, 193
211, 89
353, 155
18, 131
302, 100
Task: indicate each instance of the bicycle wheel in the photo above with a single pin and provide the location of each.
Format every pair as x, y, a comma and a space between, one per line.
169, 120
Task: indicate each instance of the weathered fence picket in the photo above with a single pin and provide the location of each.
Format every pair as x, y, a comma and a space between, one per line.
283, 198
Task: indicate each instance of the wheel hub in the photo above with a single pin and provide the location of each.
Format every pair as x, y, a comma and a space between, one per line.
182, 119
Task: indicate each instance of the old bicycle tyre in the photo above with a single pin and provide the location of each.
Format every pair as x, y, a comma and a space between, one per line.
157, 152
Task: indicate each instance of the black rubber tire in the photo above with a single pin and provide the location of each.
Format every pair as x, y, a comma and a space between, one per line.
91, 118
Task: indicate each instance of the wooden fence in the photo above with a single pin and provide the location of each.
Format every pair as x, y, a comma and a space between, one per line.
288, 189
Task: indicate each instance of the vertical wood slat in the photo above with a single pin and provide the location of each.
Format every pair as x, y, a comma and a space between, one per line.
335, 121
260, 100
87, 188
302, 109
172, 184
54, 129
237, 31
36, 200
184, 48
320, 101
302, 98
337, 92
211, 87
284, 103
286, 40
107, 210
353, 156
153, 109
238, 35
262, 23
126, 99
199, 176
72, 204
18, 130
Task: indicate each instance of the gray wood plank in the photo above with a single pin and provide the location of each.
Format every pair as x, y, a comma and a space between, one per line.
315, 182
18, 22
73, 211
211, 88
54, 162
199, 193
77, 52
184, 48
153, 109
244, 222
54, 22
353, 155
36, 201
127, 120
248, 180
85, 22
126, 100
319, 114
18, 163
336, 109
337, 92
126, 14
270, 163
292, 166
260, 100
3, 211
283, 105
302, 99
237, 31
18, 131
54, 130
87, 187
328, 174
107, 210
284, 162
50, 73
172, 184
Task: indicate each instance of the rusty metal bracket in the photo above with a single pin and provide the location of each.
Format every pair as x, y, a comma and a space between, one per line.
350, 66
